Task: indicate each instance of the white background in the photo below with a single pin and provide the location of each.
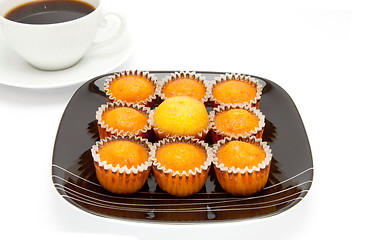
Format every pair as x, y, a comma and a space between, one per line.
315, 50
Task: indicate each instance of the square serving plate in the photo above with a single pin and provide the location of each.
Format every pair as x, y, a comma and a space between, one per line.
290, 177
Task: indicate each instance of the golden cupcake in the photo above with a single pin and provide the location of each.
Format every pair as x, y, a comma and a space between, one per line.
131, 86
236, 121
181, 116
242, 165
236, 89
181, 165
119, 119
187, 84
122, 164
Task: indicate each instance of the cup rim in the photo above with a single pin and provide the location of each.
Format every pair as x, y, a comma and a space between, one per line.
54, 24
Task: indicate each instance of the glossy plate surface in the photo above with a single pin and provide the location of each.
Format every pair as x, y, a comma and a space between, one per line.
289, 181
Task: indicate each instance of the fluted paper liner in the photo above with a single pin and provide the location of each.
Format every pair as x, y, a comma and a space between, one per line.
218, 134
107, 131
183, 74
160, 134
147, 102
181, 183
240, 77
121, 179
243, 181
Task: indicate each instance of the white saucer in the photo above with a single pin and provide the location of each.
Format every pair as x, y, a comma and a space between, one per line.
14, 71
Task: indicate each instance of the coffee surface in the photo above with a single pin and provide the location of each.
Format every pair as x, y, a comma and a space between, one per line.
48, 12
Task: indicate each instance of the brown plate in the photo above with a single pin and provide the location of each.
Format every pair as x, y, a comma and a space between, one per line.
290, 178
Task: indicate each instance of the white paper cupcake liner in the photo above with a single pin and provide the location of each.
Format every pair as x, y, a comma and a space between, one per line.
223, 108
240, 77
117, 104
197, 170
122, 169
145, 74
253, 140
183, 74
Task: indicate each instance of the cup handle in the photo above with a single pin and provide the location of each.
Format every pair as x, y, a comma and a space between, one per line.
105, 23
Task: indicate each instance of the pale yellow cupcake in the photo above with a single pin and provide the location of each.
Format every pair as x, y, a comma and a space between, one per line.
181, 116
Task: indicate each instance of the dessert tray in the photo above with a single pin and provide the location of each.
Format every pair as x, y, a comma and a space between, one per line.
289, 181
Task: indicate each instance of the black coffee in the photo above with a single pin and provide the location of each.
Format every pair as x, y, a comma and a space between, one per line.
46, 12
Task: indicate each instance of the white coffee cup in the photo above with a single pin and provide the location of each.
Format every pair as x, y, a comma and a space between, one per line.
57, 46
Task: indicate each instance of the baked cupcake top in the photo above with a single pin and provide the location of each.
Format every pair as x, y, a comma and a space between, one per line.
181, 156
187, 84
122, 118
125, 119
181, 116
123, 154
131, 86
240, 154
236, 120
233, 88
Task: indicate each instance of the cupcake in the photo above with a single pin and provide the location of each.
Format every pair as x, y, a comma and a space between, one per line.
180, 116
131, 86
236, 121
181, 165
236, 89
122, 164
187, 84
242, 165
119, 119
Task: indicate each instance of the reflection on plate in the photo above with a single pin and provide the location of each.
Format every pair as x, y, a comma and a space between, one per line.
289, 181
14, 71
